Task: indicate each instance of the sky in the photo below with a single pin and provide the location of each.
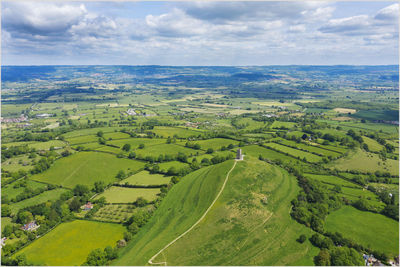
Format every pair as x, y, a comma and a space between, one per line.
199, 33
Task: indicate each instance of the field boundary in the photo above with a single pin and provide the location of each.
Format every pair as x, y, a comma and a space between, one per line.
196, 223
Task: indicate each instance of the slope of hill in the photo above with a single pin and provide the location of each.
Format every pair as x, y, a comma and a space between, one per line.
248, 225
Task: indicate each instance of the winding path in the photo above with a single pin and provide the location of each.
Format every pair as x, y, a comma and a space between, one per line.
196, 223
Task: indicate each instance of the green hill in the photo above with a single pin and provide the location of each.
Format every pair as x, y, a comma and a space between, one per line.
238, 230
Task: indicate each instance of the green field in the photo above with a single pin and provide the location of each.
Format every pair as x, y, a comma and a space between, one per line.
372, 230
114, 213
176, 164
373, 145
181, 132
43, 197
164, 149
135, 142
86, 168
334, 180
295, 152
365, 162
5, 221
12, 192
215, 143
279, 124
71, 242
47, 145
145, 178
315, 149
237, 231
116, 194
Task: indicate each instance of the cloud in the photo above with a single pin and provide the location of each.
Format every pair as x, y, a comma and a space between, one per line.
41, 19
388, 14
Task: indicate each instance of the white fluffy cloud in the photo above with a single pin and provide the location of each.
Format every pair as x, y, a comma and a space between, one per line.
196, 33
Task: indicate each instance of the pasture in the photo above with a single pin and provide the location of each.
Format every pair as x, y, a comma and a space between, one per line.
373, 145
333, 180
86, 168
43, 197
365, 162
116, 194
12, 192
47, 145
71, 242
145, 178
215, 143
369, 229
164, 149
295, 152
180, 132
176, 164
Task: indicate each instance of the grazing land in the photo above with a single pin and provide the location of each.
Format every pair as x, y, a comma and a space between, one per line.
116, 194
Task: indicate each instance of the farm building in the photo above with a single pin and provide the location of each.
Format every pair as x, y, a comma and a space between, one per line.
31, 226
87, 206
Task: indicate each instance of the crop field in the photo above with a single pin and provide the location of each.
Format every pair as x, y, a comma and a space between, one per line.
164, 149
114, 213
43, 197
244, 241
145, 178
116, 194
356, 224
295, 152
71, 242
334, 180
215, 143
366, 162
86, 168
165, 131
12, 192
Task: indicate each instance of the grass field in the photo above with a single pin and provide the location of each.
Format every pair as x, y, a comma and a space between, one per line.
22, 162
71, 242
116, 194
176, 164
165, 149
238, 230
372, 230
12, 192
373, 145
215, 143
334, 180
135, 142
145, 178
43, 197
166, 131
295, 152
309, 148
279, 124
366, 162
86, 168
47, 145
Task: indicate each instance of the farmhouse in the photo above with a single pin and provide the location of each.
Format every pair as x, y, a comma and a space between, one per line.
31, 226
87, 206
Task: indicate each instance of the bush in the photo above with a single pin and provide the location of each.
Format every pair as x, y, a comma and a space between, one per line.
302, 239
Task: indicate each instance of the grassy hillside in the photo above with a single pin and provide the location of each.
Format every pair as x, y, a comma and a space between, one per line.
238, 230
181, 208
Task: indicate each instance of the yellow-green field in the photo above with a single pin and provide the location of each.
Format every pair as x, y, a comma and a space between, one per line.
145, 178
116, 194
70, 243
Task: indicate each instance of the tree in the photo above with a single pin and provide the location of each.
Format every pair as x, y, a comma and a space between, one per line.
210, 151
96, 258
132, 155
120, 175
302, 238
5, 210
8, 230
24, 217
133, 228
80, 190
99, 186
323, 258
75, 204
127, 236
100, 133
344, 256
141, 146
126, 147
110, 253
